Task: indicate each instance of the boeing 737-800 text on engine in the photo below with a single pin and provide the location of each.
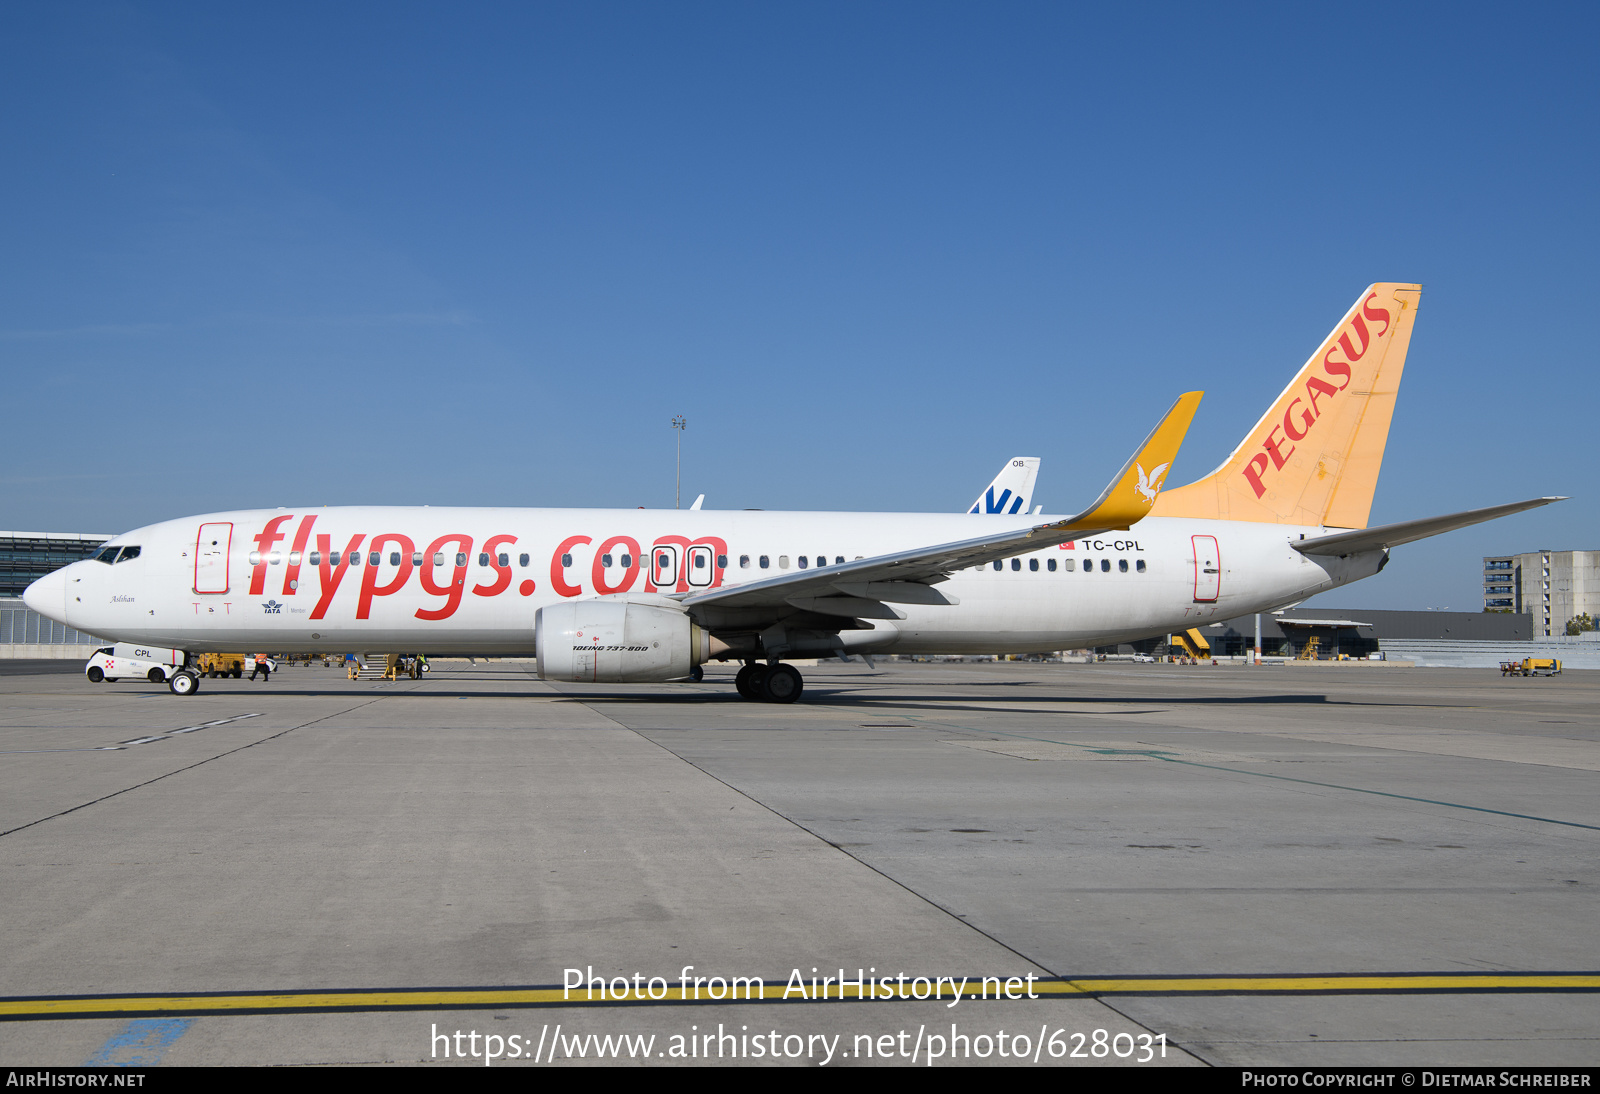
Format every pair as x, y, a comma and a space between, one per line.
649, 595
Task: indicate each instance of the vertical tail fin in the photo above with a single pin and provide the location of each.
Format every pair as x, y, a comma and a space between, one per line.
1012, 490
1314, 456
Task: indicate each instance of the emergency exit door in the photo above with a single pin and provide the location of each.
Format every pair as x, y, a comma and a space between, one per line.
211, 549
1207, 568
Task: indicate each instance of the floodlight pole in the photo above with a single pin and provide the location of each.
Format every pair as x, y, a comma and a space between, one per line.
679, 423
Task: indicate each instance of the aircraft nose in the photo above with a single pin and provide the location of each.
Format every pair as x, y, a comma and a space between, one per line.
48, 596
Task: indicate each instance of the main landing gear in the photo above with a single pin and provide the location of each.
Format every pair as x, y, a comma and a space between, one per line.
776, 683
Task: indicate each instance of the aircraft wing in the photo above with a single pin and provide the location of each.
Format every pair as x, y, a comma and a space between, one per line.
862, 588
1392, 535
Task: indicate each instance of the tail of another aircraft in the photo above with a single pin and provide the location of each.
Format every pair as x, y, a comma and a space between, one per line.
1012, 490
1314, 456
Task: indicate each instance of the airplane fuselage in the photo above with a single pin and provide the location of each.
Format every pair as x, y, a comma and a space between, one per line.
469, 581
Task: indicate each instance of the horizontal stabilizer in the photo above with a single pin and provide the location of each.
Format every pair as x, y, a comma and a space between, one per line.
1392, 535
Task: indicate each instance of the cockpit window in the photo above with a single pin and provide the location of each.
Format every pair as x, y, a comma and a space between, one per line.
108, 555
127, 553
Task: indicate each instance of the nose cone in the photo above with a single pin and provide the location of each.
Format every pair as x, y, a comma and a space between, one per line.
48, 596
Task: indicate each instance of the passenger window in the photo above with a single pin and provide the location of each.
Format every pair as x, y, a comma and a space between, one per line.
294, 558
802, 562
1050, 564
438, 558
838, 560
483, 558
998, 565
699, 561
763, 562
627, 561
416, 558
316, 558
1122, 564
1016, 564
744, 562
504, 559
566, 560
110, 554
1139, 565
722, 562
1070, 563
374, 558
333, 558
1088, 565
461, 558
605, 560
783, 562
522, 560
1033, 564
1105, 565
275, 557
394, 558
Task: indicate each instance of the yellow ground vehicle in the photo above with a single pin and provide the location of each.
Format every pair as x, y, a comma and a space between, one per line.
223, 664
1531, 666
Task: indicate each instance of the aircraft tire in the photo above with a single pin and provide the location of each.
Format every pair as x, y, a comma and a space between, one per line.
748, 681
697, 674
96, 674
184, 683
781, 684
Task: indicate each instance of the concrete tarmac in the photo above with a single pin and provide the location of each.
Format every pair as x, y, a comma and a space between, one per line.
1184, 865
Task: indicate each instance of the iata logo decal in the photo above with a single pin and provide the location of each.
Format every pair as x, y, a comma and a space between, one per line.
272, 607
1303, 413
1150, 485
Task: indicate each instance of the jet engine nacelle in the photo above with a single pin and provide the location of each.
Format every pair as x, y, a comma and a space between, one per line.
630, 639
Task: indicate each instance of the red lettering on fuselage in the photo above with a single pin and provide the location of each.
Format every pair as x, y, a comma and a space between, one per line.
291, 573
369, 577
630, 574
458, 575
269, 535
332, 575
503, 573
558, 580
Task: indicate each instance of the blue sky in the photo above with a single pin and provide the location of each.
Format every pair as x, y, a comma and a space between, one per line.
482, 254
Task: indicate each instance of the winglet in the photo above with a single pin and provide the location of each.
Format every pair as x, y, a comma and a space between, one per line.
1133, 492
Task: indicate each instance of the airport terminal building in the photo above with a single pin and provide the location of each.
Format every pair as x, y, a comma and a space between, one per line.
24, 558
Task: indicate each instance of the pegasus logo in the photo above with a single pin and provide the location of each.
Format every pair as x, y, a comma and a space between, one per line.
1150, 485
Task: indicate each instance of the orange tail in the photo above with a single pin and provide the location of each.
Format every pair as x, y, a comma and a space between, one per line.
1314, 456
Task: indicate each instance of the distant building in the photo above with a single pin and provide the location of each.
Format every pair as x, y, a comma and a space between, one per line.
27, 556
1351, 632
1551, 586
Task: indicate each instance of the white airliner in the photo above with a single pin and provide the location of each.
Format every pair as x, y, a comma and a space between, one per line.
650, 595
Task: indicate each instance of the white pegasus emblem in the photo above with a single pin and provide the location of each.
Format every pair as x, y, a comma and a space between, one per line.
1150, 485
